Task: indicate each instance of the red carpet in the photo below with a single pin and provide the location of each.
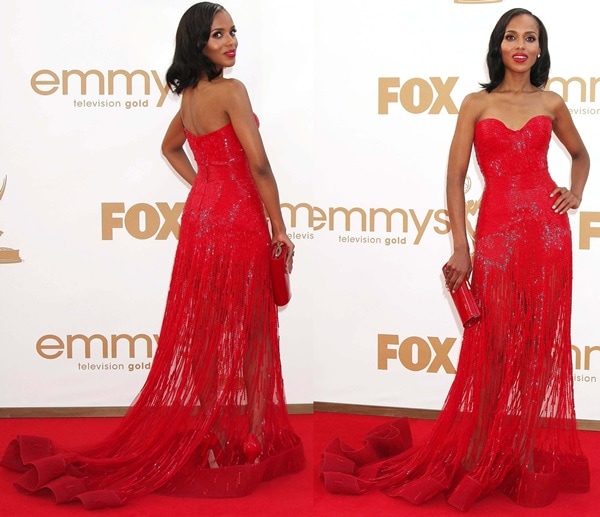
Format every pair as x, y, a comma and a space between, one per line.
351, 428
285, 496
297, 495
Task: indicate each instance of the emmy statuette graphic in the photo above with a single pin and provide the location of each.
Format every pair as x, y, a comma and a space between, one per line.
471, 207
7, 255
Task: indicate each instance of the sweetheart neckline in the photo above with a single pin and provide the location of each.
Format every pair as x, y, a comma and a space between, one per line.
511, 129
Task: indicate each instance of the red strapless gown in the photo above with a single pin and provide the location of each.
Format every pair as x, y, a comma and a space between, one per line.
508, 421
211, 419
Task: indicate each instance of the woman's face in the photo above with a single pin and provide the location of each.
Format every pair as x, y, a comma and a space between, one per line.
222, 42
520, 45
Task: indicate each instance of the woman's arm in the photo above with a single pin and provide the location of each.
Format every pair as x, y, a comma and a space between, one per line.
459, 264
172, 149
567, 133
240, 113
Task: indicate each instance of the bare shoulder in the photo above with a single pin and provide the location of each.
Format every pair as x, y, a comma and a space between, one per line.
477, 97
231, 94
554, 103
231, 87
474, 104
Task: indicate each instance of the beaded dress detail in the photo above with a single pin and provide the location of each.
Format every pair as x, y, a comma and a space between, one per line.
508, 422
211, 419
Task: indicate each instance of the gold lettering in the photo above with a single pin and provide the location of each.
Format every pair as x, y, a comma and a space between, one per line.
164, 89
408, 94
87, 341
348, 213
319, 216
565, 86
115, 338
385, 95
405, 353
47, 82
370, 219
36, 81
421, 227
109, 223
133, 221
384, 352
441, 358
443, 100
586, 230
593, 83
588, 353
388, 218
171, 224
51, 346
83, 76
41, 346
129, 80
293, 212
441, 216
577, 359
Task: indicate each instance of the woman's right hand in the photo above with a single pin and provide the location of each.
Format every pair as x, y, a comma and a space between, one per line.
282, 237
457, 269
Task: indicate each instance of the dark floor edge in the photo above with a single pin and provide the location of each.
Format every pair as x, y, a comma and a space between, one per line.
423, 414
117, 411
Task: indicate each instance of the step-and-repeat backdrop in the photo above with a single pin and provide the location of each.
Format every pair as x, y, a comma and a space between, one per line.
357, 108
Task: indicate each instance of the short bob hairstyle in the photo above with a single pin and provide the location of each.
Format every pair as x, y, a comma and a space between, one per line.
541, 68
189, 63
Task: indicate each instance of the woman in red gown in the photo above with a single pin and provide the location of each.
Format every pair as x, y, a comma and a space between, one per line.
508, 421
211, 419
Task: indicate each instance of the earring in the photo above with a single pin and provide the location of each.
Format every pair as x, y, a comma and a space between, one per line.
539, 55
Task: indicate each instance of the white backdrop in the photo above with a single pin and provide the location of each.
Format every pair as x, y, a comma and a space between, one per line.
357, 109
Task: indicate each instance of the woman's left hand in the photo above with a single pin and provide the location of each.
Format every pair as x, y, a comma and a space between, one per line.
286, 240
565, 200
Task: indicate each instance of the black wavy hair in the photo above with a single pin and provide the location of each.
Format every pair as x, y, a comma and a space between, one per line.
189, 63
541, 68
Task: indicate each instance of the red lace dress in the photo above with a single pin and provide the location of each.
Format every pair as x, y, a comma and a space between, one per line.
211, 419
508, 421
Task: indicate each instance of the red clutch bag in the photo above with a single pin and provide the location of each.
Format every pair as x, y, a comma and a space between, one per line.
466, 307
280, 276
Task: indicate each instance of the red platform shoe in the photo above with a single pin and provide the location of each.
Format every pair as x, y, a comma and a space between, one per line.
252, 448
